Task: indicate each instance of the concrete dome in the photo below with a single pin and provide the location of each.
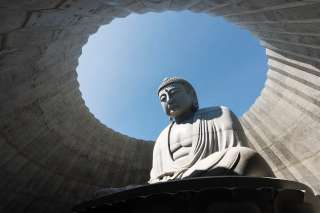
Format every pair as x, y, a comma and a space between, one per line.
54, 153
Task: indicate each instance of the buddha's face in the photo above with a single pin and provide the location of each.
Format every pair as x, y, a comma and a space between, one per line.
176, 100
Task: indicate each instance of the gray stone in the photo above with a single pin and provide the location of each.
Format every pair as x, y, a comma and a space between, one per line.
37, 34
200, 142
137, 7
16, 20
29, 5
156, 5
182, 4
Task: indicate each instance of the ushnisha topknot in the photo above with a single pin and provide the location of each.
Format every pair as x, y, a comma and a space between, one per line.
170, 80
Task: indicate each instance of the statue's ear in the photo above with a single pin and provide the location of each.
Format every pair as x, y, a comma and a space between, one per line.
195, 105
195, 101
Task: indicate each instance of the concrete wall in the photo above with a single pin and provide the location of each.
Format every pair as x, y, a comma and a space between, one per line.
54, 153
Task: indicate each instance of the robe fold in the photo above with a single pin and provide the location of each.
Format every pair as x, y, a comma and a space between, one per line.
215, 131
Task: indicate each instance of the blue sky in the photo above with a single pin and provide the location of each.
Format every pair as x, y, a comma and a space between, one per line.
123, 63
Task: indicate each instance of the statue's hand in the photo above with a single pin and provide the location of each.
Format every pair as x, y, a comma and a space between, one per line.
200, 167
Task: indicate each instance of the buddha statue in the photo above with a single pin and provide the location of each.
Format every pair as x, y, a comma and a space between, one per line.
200, 142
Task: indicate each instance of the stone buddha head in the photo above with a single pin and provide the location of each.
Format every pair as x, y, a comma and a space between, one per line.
178, 98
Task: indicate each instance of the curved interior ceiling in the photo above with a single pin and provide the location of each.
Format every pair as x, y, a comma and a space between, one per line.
54, 153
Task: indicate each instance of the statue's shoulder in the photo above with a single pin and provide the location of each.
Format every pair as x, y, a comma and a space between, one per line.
221, 116
214, 112
213, 109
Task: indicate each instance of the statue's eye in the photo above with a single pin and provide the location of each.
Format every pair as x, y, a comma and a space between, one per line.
163, 98
172, 92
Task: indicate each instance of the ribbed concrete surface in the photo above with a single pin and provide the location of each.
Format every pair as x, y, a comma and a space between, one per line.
53, 152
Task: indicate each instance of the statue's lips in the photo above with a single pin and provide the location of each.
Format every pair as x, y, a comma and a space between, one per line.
173, 109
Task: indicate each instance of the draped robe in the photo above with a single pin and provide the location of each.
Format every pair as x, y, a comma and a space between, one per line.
216, 130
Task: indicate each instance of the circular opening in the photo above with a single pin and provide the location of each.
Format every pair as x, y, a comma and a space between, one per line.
123, 63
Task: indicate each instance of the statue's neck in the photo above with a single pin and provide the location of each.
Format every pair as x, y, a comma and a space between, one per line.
185, 117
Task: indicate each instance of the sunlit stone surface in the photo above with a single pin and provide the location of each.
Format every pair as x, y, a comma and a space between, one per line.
54, 153
200, 142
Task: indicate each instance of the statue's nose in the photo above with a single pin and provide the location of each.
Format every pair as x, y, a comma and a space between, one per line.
169, 100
